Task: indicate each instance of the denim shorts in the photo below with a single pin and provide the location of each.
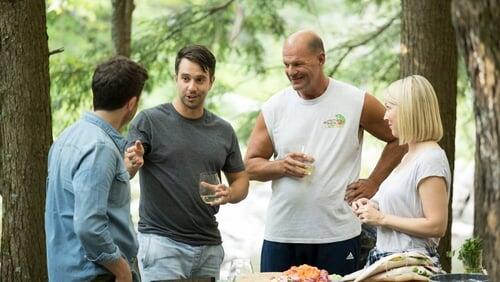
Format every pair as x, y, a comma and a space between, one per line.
161, 258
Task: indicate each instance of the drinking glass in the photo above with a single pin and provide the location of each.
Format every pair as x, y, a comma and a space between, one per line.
239, 266
207, 190
298, 148
309, 164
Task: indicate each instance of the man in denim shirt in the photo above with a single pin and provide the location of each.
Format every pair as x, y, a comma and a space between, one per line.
89, 231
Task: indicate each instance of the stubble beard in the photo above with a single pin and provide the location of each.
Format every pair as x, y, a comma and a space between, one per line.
198, 103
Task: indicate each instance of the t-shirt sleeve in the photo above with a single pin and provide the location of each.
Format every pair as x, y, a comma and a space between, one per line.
234, 162
140, 129
434, 165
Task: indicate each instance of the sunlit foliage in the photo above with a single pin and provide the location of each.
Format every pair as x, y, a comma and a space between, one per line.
361, 38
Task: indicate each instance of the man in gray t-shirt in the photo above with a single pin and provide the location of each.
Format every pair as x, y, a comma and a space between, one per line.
174, 143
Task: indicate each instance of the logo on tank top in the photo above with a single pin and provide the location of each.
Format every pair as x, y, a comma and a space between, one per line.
336, 122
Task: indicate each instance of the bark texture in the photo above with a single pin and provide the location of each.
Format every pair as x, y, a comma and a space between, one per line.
428, 48
121, 26
478, 37
25, 137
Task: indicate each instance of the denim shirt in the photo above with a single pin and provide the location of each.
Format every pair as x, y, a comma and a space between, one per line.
87, 209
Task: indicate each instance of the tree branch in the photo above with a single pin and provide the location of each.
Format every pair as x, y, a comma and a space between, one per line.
179, 25
209, 12
55, 51
220, 7
337, 65
350, 45
238, 22
367, 37
121, 26
389, 67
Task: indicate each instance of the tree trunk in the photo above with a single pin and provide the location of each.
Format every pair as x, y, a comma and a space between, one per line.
25, 137
121, 26
428, 49
476, 26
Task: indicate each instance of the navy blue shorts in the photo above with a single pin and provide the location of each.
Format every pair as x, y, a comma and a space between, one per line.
338, 257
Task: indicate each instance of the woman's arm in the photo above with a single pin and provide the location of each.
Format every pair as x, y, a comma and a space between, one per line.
432, 191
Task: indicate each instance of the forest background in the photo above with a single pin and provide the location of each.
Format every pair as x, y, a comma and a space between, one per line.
363, 42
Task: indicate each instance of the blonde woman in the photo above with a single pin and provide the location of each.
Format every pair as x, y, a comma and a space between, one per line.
410, 210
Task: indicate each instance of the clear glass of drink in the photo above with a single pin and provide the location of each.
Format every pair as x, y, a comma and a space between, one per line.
239, 267
299, 148
309, 165
208, 186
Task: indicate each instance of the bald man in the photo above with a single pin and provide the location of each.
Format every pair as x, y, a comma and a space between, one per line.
314, 131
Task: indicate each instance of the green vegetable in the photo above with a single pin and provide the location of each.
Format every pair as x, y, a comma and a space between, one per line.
471, 255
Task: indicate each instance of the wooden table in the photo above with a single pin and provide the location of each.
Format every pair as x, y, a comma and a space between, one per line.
211, 279
257, 277
260, 277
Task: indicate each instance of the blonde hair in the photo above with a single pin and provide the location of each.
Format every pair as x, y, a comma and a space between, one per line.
418, 117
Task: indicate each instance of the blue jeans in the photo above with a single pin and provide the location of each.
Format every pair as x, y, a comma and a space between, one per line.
161, 258
337, 258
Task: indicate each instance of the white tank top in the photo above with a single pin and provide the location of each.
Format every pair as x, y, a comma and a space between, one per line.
312, 210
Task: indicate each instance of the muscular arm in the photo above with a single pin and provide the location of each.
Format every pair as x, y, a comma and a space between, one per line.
372, 120
259, 151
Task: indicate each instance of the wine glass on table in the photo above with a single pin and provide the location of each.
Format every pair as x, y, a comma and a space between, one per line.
239, 266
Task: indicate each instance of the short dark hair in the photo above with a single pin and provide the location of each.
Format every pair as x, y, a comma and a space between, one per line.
198, 54
116, 81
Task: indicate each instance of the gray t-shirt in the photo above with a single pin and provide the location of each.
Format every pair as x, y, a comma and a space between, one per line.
177, 150
398, 195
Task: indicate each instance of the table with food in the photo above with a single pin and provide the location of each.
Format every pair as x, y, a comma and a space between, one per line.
409, 266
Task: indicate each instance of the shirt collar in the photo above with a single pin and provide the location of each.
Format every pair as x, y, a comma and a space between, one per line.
117, 138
